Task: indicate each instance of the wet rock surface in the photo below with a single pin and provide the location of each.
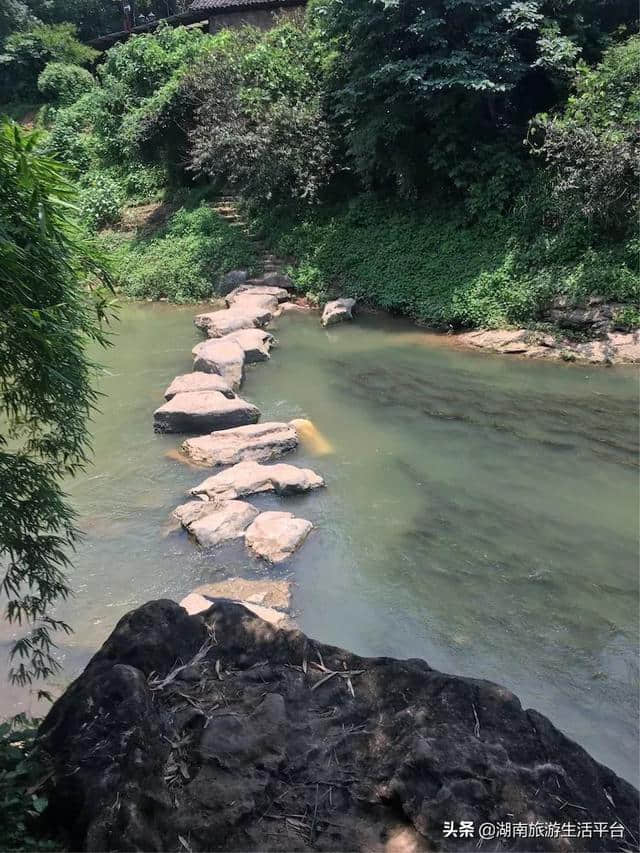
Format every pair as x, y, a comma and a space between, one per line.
250, 478
199, 411
337, 311
198, 381
275, 536
220, 732
258, 442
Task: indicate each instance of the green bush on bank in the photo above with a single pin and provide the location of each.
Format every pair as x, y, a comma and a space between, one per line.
429, 262
21, 798
184, 260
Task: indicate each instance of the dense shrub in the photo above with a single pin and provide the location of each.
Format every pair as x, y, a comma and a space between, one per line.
260, 125
101, 198
185, 260
63, 84
137, 78
593, 147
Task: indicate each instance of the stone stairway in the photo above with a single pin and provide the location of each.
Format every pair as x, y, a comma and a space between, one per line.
228, 207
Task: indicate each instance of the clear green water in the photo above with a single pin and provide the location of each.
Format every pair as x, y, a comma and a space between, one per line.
480, 513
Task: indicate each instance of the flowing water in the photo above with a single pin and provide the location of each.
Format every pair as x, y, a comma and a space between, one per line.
480, 512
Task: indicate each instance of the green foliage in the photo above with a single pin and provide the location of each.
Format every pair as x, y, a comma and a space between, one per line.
100, 200
138, 80
69, 139
422, 88
593, 147
47, 314
25, 55
427, 261
21, 797
63, 84
260, 124
185, 260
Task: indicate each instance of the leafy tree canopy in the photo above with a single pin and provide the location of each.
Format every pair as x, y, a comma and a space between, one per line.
47, 315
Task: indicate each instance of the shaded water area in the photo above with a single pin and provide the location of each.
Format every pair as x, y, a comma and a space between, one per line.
480, 513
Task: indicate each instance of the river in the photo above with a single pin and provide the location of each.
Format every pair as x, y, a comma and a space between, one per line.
480, 512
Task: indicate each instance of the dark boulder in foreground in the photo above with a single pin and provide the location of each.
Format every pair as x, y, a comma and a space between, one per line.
223, 733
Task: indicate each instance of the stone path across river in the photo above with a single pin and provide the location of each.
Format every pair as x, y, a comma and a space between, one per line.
206, 400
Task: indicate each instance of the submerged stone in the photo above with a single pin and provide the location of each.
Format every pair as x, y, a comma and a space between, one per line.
257, 442
200, 411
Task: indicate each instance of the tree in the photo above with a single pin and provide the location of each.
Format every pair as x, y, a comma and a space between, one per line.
26, 53
442, 90
48, 313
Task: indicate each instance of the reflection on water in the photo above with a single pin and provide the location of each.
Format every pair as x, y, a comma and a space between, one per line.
480, 513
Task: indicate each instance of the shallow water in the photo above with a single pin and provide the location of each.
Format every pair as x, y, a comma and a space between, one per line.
480, 512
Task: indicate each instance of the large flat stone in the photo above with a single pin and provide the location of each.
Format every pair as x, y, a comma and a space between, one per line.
217, 324
275, 536
269, 593
224, 357
228, 520
257, 442
243, 290
198, 381
250, 478
203, 411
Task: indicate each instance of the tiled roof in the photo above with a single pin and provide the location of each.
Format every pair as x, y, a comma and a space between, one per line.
240, 4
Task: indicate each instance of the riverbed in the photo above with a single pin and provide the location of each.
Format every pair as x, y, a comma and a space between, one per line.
480, 512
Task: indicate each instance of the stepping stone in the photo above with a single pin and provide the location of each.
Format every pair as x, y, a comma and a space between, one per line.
227, 520
224, 357
198, 381
203, 411
249, 302
216, 324
238, 293
257, 442
277, 279
275, 536
337, 311
194, 603
256, 344
250, 478
192, 511
268, 593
